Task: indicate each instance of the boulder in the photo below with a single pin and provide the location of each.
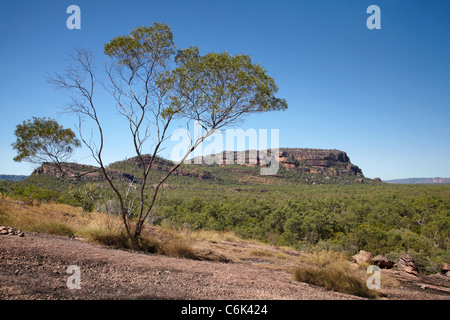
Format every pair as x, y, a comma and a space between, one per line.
383, 262
10, 231
209, 255
445, 268
362, 257
407, 264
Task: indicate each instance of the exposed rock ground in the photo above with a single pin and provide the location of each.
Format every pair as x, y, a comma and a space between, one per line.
35, 267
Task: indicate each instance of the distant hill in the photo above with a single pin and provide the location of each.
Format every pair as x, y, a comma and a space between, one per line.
297, 166
420, 181
12, 177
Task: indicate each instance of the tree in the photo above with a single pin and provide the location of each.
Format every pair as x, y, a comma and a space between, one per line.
216, 89
87, 195
44, 140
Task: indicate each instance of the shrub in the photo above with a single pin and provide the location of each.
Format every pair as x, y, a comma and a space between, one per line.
332, 271
176, 249
261, 253
120, 240
32, 194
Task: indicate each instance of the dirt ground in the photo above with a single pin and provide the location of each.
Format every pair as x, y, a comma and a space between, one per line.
35, 267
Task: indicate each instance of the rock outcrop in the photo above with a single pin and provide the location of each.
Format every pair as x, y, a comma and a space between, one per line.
445, 269
10, 231
164, 165
311, 165
362, 257
69, 170
319, 161
328, 162
407, 263
383, 262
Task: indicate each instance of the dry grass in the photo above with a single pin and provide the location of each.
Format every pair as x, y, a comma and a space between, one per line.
261, 253
100, 228
47, 218
281, 255
95, 227
173, 242
332, 271
214, 236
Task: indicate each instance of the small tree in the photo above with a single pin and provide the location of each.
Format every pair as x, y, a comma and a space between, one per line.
44, 140
216, 89
87, 195
4, 189
91, 196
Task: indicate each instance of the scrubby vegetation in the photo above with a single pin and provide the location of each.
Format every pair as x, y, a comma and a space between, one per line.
330, 222
381, 218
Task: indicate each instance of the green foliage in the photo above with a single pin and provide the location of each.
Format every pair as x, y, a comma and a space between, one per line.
381, 219
43, 140
152, 44
5, 188
218, 88
49, 182
87, 195
32, 194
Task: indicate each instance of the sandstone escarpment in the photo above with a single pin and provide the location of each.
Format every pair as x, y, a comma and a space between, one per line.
318, 161
309, 166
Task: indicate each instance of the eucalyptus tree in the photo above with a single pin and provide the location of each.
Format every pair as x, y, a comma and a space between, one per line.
41, 140
154, 85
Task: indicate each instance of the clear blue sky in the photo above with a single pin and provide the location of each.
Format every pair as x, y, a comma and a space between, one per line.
383, 96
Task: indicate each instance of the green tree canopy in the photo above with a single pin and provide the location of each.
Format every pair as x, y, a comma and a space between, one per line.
43, 140
218, 89
145, 47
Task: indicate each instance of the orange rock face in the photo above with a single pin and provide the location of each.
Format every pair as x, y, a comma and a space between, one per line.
317, 161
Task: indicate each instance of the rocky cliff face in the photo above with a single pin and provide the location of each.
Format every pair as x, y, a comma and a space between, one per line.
71, 170
329, 162
319, 161
310, 161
